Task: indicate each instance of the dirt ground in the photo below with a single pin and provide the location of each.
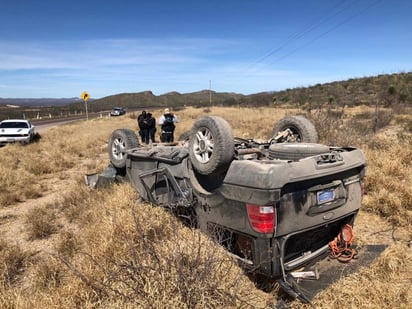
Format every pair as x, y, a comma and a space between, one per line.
13, 217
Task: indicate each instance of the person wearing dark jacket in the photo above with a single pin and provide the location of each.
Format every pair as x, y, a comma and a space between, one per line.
151, 126
143, 130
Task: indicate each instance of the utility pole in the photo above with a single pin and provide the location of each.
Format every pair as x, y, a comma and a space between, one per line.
210, 92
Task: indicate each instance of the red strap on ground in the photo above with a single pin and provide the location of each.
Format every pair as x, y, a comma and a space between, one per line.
340, 246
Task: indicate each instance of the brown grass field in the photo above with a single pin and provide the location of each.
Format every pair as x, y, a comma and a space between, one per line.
63, 245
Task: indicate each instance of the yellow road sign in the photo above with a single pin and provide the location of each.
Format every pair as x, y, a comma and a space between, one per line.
85, 96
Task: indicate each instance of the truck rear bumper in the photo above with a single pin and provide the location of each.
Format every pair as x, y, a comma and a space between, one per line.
304, 259
308, 246
275, 257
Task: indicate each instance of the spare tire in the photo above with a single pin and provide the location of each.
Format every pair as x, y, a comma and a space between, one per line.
211, 145
296, 151
302, 129
121, 140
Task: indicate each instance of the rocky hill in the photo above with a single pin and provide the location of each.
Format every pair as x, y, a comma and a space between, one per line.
384, 90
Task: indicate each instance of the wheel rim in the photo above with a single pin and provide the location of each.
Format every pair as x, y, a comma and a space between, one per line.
118, 148
203, 145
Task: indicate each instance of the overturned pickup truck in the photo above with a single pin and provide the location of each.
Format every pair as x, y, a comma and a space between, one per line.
276, 204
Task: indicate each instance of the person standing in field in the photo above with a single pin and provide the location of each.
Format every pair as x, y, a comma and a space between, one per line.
143, 130
151, 126
167, 124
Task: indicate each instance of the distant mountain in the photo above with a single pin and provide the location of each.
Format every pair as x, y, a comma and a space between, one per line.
147, 99
385, 89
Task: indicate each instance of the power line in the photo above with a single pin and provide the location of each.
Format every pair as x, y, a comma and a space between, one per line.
330, 30
310, 28
306, 29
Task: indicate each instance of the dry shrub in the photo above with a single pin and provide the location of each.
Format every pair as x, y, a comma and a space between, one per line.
328, 121
373, 120
34, 191
140, 254
394, 261
9, 197
13, 262
73, 202
18, 192
246, 122
67, 244
334, 130
405, 121
256, 123
133, 115
48, 274
14, 180
341, 127
40, 222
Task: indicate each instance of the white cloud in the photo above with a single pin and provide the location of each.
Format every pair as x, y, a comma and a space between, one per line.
98, 53
127, 65
106, 67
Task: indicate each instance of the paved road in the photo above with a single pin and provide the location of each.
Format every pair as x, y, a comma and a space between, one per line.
44, 124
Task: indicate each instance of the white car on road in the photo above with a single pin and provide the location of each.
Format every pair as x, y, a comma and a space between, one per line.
117, 111
16, 130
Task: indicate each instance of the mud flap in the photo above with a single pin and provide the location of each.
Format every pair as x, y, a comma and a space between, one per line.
330, 271
290, 286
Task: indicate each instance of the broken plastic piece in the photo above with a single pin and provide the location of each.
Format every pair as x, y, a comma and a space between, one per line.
309, 275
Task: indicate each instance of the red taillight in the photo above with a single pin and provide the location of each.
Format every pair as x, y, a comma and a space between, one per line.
262, 218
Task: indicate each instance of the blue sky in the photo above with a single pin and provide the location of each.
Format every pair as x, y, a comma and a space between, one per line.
56, 49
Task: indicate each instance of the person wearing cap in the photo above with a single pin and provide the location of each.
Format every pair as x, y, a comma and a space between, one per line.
167, 124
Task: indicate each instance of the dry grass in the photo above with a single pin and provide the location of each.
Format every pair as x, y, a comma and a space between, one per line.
388, 184
140, 254
103, 249
21, 167
40, 222
386, 284
13, 261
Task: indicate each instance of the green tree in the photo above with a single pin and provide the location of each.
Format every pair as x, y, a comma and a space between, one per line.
391, 95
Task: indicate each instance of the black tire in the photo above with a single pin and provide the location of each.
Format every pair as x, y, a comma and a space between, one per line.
120, 141
211, 145
296, 151
303, 130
